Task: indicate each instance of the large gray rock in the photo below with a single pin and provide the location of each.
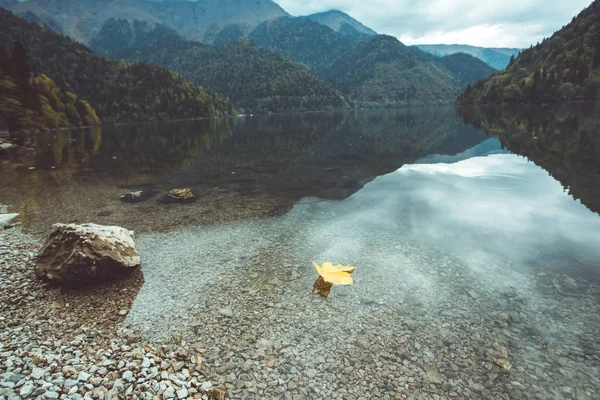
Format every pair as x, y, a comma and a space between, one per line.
87, 253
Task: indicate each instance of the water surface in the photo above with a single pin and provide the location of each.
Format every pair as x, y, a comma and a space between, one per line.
478, 270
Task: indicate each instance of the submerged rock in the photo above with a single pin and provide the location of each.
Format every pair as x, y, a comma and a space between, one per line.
13, 152
180, 196
138, 196
87, 253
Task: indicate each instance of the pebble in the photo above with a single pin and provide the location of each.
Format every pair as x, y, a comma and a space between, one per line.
227, 312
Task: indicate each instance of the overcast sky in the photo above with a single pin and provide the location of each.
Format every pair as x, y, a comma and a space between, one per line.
490, 23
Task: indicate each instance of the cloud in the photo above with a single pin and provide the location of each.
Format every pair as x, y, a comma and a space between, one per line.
508, 23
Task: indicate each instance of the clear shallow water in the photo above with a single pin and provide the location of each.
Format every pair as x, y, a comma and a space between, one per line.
456, 263
465, 253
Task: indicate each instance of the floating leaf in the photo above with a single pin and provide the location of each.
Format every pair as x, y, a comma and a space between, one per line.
329, 275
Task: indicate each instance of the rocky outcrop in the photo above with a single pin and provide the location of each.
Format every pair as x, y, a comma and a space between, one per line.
87, 253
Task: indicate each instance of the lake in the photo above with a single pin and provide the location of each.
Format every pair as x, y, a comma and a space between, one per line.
475, 236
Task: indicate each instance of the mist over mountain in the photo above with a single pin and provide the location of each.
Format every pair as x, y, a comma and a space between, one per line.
344, 24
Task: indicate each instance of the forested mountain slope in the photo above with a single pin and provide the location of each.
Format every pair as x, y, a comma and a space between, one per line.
304, 41
28, 101
385, 72
256, 80
118, 91
466, 68
561, 68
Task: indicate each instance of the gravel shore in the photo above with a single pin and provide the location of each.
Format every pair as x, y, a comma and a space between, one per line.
71, 344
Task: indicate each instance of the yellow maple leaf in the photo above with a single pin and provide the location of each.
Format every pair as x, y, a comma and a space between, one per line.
335, 274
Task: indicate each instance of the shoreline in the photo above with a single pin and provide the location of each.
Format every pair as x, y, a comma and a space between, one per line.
72, 343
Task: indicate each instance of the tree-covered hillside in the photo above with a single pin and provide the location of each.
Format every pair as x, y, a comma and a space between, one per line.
466, 68
28, 101
304, 41
122, 34
118, 91
384, 72
379, 71
561, 68
254, 79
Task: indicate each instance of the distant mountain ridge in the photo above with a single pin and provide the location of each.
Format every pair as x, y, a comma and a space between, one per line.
497, 58
194, 20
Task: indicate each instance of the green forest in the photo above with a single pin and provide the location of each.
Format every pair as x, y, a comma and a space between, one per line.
385, 72
375, 71
562, 68
254, 79
28, 101
117, 90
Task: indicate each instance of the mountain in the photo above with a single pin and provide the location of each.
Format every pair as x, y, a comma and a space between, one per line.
343, 23
255, 79
322, 49
384, 71
7, 3
122, 34
118, 91
304, 41
497, 58
466, 68
561, 68
195, 20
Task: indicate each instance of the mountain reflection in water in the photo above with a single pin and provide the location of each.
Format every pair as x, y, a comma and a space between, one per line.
564, 140
257, 166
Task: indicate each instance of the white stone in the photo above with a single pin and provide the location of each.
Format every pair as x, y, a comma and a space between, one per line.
227, 312
169, 393
87, 253
182, 393
26, 390
83, 376
7, 218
